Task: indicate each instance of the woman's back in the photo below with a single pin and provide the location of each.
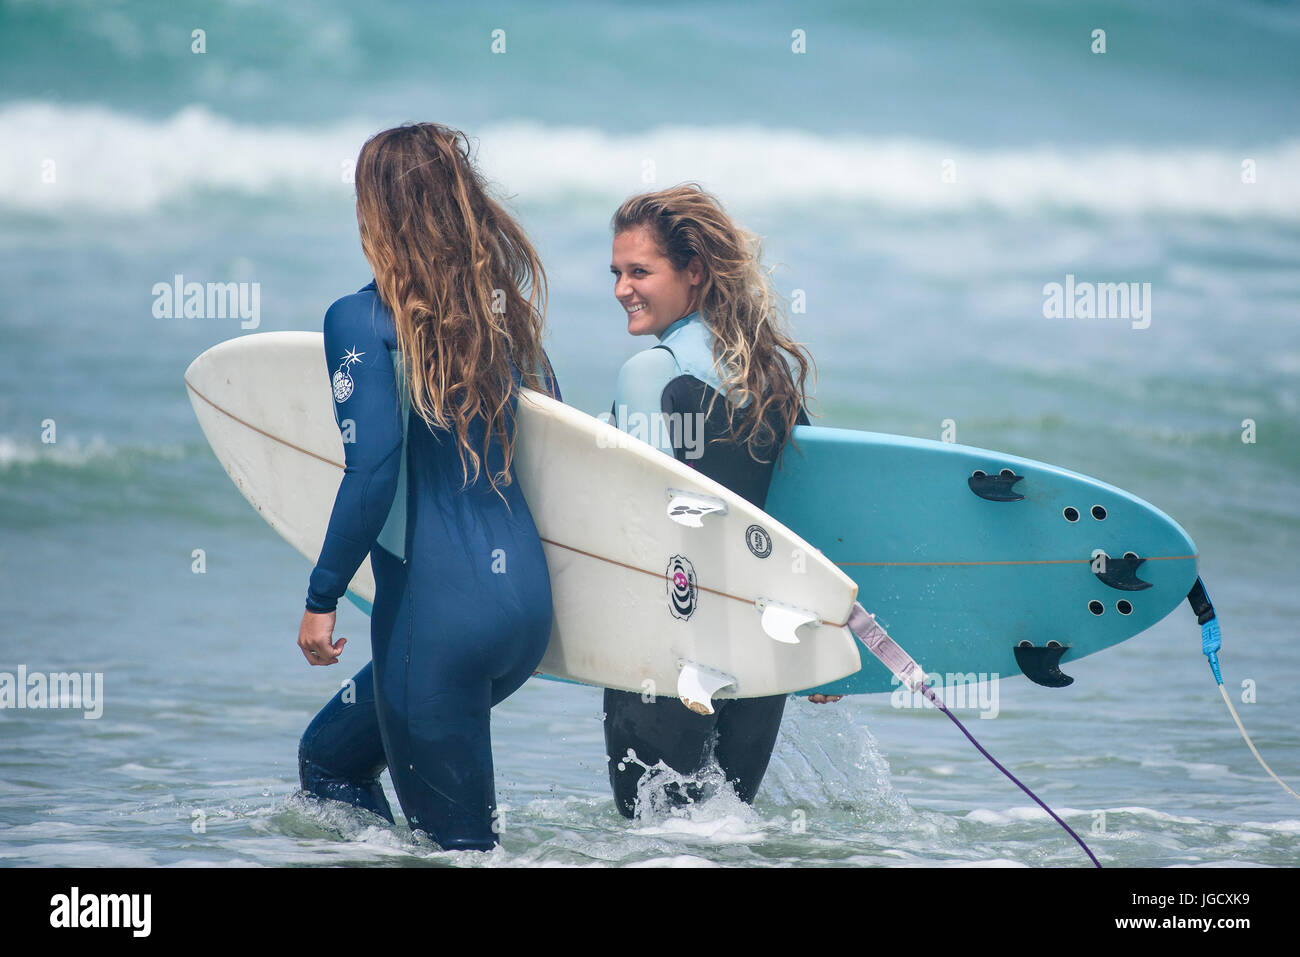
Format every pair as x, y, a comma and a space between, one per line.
433, 483
425, 368
412, 487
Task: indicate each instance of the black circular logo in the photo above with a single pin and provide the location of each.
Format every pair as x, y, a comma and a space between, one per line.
759, 542
681, 587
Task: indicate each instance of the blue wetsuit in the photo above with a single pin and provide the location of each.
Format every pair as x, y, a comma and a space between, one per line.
462, 609
678, 377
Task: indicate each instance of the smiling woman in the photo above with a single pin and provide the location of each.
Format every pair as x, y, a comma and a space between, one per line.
685, 273
654, 293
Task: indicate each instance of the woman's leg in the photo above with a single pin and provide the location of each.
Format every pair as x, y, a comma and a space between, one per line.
341, 754
747, 730
441, 762
663, 729
452, 650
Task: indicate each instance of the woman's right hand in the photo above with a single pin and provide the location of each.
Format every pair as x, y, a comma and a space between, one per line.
314, 636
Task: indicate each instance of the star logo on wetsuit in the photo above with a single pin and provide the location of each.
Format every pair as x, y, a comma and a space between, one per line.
343, 383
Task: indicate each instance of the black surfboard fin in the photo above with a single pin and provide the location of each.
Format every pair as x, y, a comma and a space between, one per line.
1042, 665
995, 488
1121, 573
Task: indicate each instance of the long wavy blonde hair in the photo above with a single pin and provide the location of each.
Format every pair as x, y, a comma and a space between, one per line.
466, 289
737, 301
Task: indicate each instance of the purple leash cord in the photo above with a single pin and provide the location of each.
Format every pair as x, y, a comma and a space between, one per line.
890, 654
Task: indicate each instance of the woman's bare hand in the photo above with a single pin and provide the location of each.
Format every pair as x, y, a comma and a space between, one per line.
314, 636
824, 698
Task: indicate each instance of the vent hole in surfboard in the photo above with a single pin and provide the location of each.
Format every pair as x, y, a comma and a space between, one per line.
1096, 607
1006, 473
1130, 556
1099, 513
978, 473
1124, 607
1071, 513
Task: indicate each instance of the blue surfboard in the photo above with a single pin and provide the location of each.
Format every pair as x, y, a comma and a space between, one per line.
976, 561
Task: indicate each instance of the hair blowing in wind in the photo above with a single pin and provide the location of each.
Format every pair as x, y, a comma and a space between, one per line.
736, 300
466, 289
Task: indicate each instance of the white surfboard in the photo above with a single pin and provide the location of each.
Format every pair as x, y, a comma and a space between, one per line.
662, 580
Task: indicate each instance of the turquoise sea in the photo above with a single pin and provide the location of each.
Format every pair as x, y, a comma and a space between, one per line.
918, 174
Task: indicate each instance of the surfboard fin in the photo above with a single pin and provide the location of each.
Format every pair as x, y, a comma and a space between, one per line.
1121, 573
689, 508
995, 488
697, 684
867, 630
1042, 665
782, 622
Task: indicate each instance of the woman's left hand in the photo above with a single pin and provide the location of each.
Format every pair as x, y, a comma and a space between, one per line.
314, 636
824, 698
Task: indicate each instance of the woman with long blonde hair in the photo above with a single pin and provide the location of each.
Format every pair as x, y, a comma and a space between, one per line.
425, 363
687, 274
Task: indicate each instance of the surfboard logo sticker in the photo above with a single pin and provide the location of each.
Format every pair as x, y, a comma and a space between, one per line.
682, 593
343, 384
759, 542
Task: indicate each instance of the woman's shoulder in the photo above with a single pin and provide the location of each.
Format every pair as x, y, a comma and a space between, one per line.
692, 345
649, 364
361, 311
644, 377
367, 296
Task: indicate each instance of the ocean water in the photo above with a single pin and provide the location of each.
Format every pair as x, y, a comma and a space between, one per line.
127, 159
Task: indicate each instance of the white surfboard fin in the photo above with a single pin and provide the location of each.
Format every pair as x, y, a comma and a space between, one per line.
782, 622
689, 508
697, 684
890, 654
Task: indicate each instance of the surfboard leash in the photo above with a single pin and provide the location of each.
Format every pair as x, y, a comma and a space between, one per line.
1211, 641
890, 654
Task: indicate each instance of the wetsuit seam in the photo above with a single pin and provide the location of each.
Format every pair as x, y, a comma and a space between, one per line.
370, 480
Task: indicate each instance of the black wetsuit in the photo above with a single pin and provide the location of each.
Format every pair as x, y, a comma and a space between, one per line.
676, 378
